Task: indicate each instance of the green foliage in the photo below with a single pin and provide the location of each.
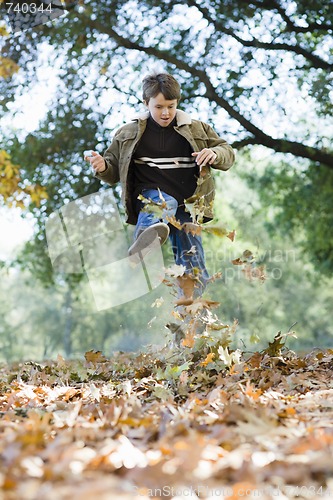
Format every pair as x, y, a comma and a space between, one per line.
293, 290
255, 89
247, 72
302, 201
259, 72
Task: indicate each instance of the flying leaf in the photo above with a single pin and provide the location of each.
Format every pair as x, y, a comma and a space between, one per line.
216, 230
237, 262
175, 270
232, 235
174, 222
175, 371
95, 357
252, 272
274, 348
152, 207
215, 276
195, 229
200, 304
177, 331
158, 302
184, 301
248, 255
187, 284
196, 206
229, 358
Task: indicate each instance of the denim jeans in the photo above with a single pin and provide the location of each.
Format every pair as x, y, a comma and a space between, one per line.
182, 242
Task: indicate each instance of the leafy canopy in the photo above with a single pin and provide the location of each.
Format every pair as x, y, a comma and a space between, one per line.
260, 72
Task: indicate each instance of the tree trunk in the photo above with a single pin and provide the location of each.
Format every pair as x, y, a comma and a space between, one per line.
68, 323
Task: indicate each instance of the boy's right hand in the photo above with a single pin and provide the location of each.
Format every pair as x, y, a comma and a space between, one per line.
97, 162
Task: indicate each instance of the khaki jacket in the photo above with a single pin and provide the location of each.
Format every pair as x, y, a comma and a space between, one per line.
118, 158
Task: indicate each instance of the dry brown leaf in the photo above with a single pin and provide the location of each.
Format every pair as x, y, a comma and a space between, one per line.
167, 418
232, 235
237, 262
174, 222
209, 359
189, 339
192, 228
200, 304
252, 392
95, 357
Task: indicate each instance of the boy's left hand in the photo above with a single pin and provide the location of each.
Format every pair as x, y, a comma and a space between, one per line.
204, 157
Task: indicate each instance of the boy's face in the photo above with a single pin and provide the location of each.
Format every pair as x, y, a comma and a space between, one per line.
162, 110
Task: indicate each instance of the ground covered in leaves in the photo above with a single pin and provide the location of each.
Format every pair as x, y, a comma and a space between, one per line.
193, 420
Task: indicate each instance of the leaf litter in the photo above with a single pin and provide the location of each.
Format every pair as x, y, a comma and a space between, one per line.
192, 419
203, 419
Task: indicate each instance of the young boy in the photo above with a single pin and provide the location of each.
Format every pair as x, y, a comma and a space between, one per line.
164, 153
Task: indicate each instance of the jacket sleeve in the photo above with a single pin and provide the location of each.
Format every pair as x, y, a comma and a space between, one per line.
111, 158
225, 154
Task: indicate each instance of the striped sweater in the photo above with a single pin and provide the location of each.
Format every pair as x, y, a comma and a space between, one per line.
163, 160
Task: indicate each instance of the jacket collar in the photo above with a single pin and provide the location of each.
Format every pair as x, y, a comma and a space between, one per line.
182, 117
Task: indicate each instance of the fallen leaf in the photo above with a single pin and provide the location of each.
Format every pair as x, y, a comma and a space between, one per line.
209, 359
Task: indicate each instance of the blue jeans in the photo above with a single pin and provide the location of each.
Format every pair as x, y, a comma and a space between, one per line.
182, 242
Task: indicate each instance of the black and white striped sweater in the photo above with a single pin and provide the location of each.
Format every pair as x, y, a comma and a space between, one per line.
163, 160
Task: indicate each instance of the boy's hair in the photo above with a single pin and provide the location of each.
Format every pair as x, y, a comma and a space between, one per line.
154, 84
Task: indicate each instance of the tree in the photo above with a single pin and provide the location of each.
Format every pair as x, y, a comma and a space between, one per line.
254, 69
236, 53
301, 199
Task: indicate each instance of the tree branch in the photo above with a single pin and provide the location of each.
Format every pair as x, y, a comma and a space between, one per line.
248, 141
291, 25
260, 137
315, 60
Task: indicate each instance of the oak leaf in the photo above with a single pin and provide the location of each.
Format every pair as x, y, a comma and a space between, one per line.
95, 357
209, 359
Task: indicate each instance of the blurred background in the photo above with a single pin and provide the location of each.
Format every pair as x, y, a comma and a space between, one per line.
261, 74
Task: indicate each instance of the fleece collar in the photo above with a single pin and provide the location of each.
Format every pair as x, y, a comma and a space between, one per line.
182, 117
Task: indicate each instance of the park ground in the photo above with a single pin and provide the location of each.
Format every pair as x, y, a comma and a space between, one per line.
169, 423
